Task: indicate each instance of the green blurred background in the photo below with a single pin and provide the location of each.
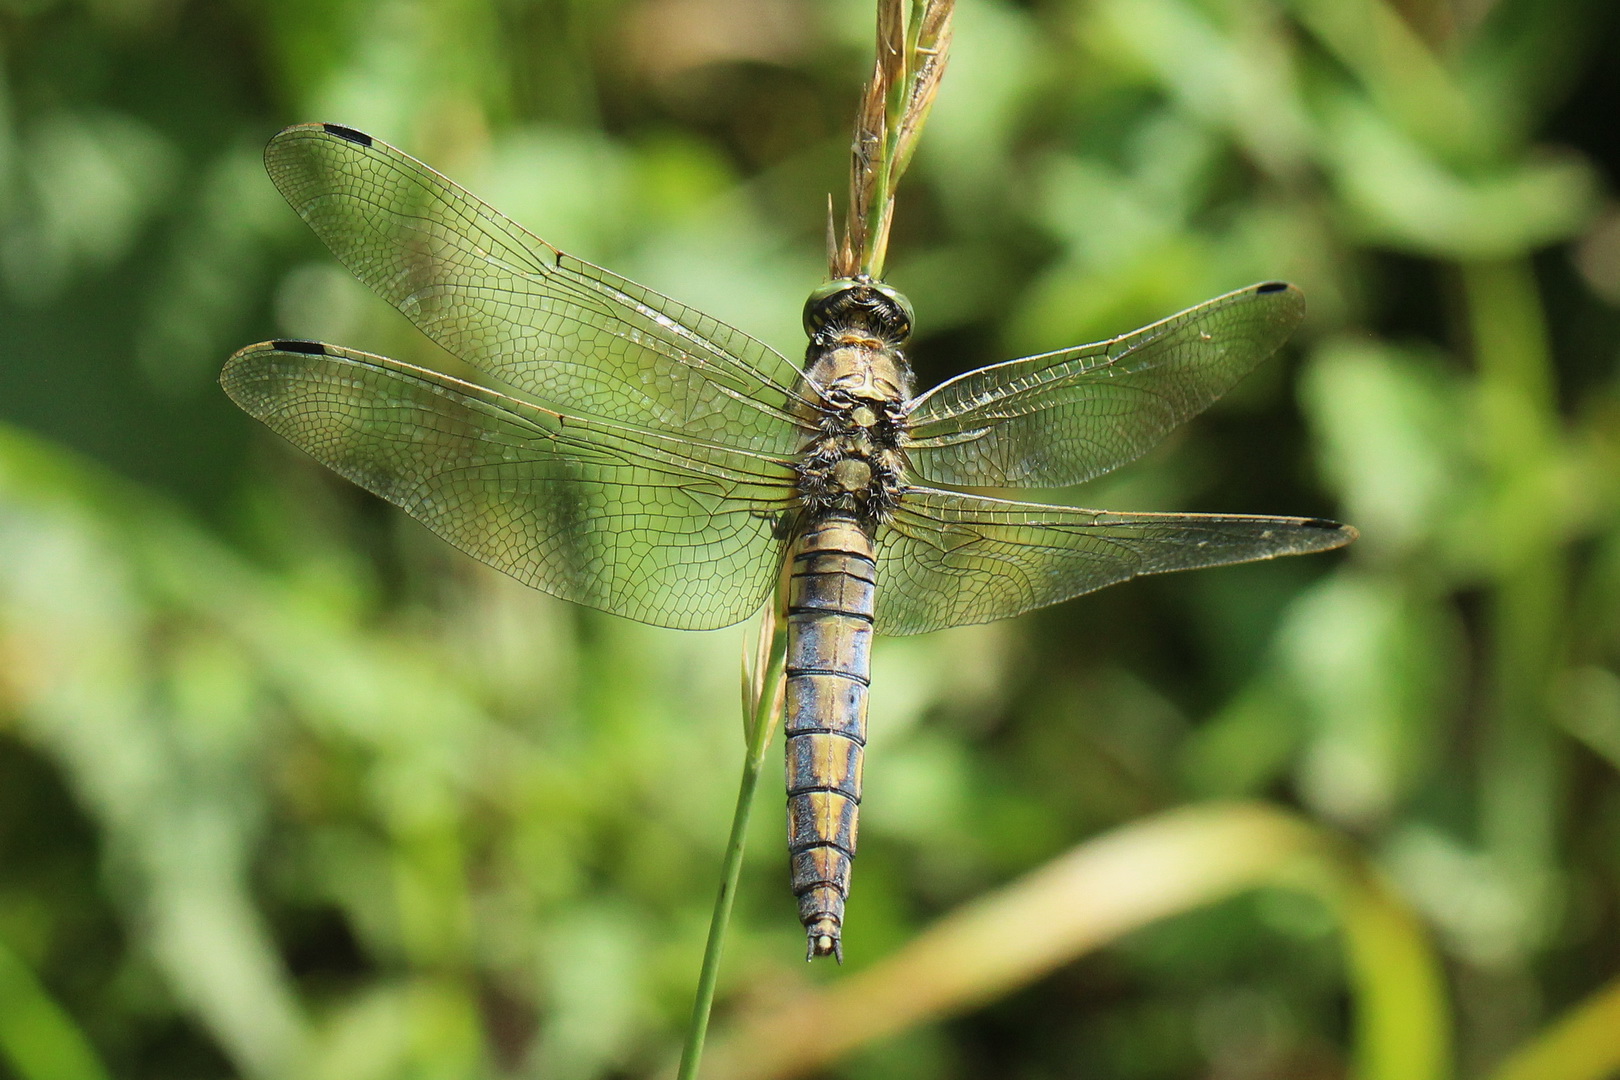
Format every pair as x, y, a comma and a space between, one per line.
288, 789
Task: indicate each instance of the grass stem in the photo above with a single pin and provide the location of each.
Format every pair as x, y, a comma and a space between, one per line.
762, 699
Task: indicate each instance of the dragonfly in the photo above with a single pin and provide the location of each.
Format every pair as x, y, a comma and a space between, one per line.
623, 451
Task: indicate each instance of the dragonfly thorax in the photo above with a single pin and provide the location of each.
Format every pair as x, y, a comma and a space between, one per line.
854, 463
859, 374
857, 378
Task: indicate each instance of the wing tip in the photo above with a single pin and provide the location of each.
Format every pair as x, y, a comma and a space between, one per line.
1283, 299
1285, 293
1338, 533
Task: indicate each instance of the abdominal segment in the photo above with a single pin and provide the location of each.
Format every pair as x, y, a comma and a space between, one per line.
830, 605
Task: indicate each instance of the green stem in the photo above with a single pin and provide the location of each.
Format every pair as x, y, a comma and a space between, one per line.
1520, 431
761, 725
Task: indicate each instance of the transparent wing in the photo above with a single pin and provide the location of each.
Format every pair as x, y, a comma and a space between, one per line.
948, 559
666, 531
1065, 417
514, 307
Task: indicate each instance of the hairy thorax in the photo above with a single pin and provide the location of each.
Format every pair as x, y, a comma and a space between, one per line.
854, 463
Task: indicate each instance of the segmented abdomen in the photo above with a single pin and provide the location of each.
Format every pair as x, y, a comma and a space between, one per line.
830, 605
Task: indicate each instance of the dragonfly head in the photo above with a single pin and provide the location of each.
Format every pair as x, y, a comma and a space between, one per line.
858, 304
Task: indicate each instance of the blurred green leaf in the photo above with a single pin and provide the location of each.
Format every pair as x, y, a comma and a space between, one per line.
1577, 1046
1398, 195
38, 1038
88, 182
1392, 430
1405, 78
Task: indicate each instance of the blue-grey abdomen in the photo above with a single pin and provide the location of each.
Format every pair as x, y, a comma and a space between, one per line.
831, 595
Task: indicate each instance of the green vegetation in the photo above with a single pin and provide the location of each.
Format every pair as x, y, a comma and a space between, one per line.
288, 789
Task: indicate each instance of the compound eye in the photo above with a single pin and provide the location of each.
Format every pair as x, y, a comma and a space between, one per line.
815, 308
902, 305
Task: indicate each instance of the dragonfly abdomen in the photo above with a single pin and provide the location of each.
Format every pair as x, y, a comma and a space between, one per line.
830, 605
